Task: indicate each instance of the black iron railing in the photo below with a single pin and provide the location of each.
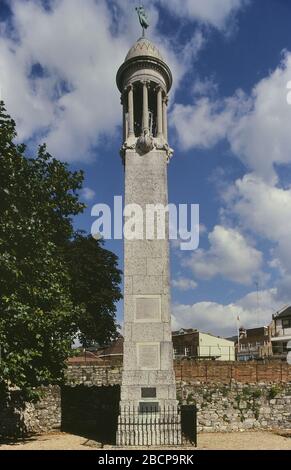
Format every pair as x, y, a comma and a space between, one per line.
149, 426
152, 426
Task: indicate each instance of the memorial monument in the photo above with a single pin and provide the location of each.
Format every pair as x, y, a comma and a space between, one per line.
148, 407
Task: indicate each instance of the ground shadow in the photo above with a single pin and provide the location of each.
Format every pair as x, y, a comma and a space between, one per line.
12, 423
14, 441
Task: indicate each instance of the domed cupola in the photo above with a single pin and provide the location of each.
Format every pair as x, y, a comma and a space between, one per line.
144, 47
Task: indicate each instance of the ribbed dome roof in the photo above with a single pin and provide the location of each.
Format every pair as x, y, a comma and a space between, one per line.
146, 55
144, 47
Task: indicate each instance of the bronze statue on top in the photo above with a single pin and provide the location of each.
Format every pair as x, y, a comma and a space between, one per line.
143, 19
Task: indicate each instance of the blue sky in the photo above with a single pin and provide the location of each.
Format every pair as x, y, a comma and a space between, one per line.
229, 126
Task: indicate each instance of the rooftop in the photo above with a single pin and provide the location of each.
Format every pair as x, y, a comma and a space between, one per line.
284, 313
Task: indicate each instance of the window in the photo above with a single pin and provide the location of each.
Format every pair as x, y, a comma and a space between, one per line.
284, 347
286, 323
179, 351
280, 348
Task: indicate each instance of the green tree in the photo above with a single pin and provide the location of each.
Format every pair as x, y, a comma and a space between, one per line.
38, 198
54, 284
95, 280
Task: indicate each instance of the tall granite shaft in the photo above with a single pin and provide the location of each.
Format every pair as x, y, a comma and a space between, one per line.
148, 382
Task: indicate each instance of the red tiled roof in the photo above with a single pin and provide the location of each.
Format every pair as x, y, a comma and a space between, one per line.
114, 349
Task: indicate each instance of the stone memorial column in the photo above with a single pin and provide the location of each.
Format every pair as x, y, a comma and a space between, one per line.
148, 381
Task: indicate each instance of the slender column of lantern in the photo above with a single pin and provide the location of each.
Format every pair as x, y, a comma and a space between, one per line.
165, 118
125, 116
160, 112
130, 112
145, 114
125, 124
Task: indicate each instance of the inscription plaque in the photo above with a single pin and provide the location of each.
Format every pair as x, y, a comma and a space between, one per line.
149, 392
147, 309
148, 356
149, 407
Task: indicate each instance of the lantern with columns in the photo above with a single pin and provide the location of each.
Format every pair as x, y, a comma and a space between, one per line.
144, 80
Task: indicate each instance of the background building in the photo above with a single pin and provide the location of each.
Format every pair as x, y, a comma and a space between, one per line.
254, 343
193, 343
281, 332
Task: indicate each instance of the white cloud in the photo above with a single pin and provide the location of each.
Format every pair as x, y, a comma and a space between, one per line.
230, 255
79, 55
215, 318
262, 137
257, 127
261, 207
184, 284
193, 47
79, 46
264, 209
258, 131
206, 87
202, 229
201, 125
214, 12
88, 194
284, 289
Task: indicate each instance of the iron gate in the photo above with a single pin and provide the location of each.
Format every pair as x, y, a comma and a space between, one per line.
189, 424
107, 420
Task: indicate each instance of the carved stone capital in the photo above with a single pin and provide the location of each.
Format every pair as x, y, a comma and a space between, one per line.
146, 83
127, 145
158, 88
166, 100
170, 153
163, 145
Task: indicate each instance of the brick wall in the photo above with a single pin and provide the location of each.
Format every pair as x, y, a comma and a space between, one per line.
190, 371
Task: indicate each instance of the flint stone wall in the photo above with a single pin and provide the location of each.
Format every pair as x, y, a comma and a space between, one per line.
229, 397
239, 407
18, 418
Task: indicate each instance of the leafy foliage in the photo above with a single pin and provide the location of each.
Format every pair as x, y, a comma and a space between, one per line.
42, 303
95, 287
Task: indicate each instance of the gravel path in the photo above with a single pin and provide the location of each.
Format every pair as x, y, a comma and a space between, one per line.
244, 441
59, 441
232, 441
